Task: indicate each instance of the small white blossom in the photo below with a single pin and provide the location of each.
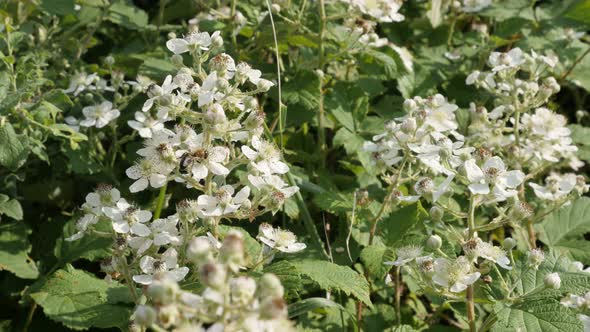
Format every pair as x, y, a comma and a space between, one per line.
454, 275
278, 239
166, 266
493, 176
99, 115
223, 202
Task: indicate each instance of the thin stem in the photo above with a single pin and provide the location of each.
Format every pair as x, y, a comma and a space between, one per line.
398, 295
30, 317
321, 109
161, 199
470, 302
470, 309
532, 235
516, 129
278, 56
578, 60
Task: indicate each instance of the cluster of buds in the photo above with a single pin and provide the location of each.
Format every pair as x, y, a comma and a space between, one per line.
229, 302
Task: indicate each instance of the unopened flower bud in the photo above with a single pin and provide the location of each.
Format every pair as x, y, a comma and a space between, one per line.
213, 275
232, 250
163, 291
177, 60
434, 242
409, 125
216, 41
199, 250
270, 286
436, 213
242, 289
171, 35
552, 280
273, 308
409, 105
275, 8
109, 60
168, 315
144, 315
509, 243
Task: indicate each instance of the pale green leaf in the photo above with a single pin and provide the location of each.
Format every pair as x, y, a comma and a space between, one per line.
80, 301
14, 248
330, 276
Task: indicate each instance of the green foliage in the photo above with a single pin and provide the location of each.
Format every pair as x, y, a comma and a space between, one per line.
79, 300
564, 229
330, 276
10, 207
14, 250
14, 149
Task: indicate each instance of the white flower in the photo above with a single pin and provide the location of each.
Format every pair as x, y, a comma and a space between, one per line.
147, 125
163, 232
265, 157
406, 255
148, 172
80, 82
201, 160
156, 92
82, 226
546, 123
279, 190
478, 248
99, 115
73, 123
128, 219
576, 301
166, 266
454, 275
223, 203
556, 186
493, 174
192, 42
278, 239
502, 61
382, 10
208, 92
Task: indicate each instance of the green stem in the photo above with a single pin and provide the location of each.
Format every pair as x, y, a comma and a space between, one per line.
30, 317
160, 203
277, 55
321, 109
398, 295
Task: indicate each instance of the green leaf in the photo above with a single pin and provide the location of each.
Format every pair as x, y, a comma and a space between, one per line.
580, 136
330, 276
90, 247
58, 7
79, 300
334, 202
128, 16
14, 148
564, 229
14, 248
373, 257
303, 89
539, 308
252, 246
580, 12
301, 307
397, 227
287, 273
10, 207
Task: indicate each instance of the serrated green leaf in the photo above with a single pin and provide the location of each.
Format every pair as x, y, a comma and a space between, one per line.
58, 7
287, 273
14, 249
564, 229
330, 276
580, 12
80, 301
334, 202
373, 257
396, 228
14, 148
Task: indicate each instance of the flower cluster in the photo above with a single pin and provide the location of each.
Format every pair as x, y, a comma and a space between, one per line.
381, 10
491, 160
229, 302
202, 128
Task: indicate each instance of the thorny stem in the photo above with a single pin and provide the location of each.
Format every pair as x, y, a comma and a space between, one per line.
578, 60
160, 203
278, 56
470, 290
398, 295
321, 115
